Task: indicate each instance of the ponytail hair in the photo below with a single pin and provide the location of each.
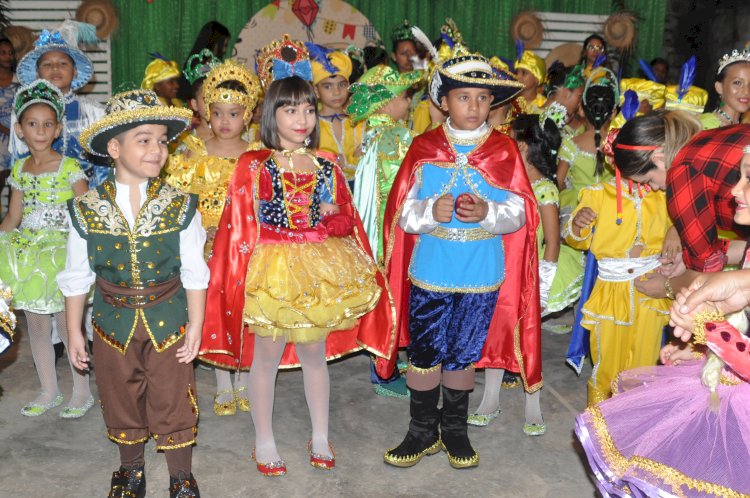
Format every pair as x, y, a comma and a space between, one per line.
668, 130
598, 106
543, 141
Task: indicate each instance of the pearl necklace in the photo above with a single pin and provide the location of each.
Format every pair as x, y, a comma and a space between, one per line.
726, 116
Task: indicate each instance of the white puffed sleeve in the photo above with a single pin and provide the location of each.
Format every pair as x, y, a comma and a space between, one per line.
505, 217
416, 216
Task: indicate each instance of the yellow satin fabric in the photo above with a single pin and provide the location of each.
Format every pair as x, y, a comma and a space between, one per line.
302, 292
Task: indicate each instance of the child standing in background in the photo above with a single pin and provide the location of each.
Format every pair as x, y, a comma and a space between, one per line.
230, 93
33, 236
339, 135
380, 99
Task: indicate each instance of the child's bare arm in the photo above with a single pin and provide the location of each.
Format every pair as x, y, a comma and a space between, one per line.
15, 211
74, 305
196, 304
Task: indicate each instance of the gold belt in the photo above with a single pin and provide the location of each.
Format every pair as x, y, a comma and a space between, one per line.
461, 234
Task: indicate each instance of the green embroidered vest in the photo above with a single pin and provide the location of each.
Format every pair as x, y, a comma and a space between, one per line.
137, 258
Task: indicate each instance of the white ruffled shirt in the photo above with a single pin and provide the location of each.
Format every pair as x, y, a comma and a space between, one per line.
78, 277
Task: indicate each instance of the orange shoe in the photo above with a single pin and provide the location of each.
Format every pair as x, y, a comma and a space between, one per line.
321, 461
272, 469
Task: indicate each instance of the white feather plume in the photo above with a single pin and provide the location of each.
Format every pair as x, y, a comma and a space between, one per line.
425, 41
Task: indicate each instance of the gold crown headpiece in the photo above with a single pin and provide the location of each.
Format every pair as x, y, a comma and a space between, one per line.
731, 58
283, 58
231, 70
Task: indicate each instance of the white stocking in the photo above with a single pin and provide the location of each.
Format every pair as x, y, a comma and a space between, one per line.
223, 386
81, 386
317, 392
533, 408
493, 379
40, 338
266, 358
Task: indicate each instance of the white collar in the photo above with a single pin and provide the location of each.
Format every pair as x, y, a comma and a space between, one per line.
466, 134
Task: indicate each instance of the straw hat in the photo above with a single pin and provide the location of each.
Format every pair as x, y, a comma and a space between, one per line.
619, 30
528, 28
100, 13
569, 54
22, 39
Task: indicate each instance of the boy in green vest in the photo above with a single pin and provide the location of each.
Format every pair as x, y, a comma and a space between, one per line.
140, 242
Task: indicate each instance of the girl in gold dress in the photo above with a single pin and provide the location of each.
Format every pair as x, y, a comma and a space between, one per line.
205, 168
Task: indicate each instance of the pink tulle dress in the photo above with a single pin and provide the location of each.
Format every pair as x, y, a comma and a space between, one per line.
660, 435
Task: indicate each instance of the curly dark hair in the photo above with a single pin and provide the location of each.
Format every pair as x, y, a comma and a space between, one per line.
542, 141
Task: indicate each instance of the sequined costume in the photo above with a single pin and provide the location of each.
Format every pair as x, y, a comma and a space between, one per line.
277, 272
80, 112
6, 110
195, 172
626, 325
663, 434
566, 285
33, 254
385, 145
511, 262
582, 173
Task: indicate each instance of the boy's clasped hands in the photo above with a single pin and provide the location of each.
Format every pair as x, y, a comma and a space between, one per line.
468, 208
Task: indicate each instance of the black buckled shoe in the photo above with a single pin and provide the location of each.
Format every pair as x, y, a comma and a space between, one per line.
453, 429
183, 487
128, 483
423, 437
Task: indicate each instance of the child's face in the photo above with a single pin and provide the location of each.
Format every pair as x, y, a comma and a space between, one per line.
735, 89
227, 120
571, 99
656, 178
403, 54
57, 68
7, 55
398, 107
38, 127
468, 108
139, 153
527, 78
168, 88
198, 104
333, 92
741, 193
294, 124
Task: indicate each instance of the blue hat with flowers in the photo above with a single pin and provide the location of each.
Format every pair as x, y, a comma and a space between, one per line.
63, 40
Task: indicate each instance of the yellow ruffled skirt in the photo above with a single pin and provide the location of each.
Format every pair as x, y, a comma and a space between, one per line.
302, 292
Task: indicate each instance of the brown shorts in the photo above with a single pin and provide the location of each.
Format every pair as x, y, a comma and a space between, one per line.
144, 393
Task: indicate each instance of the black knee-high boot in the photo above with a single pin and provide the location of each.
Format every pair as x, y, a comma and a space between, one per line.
423, 437
453, 429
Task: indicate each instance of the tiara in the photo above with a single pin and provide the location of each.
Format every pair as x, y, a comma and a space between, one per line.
731, 58
231, 70
556, 112
199, 65
39, 92
402, 32
282, 59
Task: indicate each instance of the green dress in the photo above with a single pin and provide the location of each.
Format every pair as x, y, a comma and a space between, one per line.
582, 173
566, 286
709, 121
384, 145
33, 254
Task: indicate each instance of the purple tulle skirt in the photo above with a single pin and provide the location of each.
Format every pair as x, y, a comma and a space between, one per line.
661, 436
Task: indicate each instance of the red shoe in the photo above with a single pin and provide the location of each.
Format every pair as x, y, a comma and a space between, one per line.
272, 469
321, 461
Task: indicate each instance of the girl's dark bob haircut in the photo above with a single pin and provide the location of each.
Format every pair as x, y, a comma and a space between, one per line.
291, 91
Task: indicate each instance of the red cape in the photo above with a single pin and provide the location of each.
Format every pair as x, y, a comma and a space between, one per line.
225, 342
514, 338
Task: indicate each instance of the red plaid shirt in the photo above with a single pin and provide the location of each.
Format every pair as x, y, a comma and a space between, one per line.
698, 193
